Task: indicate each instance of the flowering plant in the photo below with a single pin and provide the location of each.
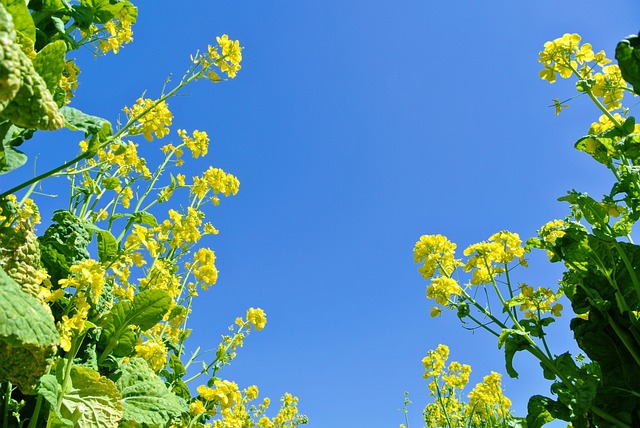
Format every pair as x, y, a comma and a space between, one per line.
486, 406
94, 317
595, 244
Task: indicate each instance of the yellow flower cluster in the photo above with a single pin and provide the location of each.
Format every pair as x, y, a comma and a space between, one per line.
487, 403
232, 405
538, 302
181, 230
436, 254
489, 258
154, 352
442, 288
204, 268
151, 117
216, 181
562, 56
86, 280
26, 214
119, 33
198, 143
124, 156
487, 406
69, 80
257, 318
550, 232
565, 56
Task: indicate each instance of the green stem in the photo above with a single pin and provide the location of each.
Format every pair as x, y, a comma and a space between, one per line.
75, 345
444, 409
33, 423
607, 417
44, 175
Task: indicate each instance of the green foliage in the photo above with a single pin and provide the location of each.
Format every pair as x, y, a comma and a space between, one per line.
89, 401
27, 336
20, 257
64, 243
92, 333
148, 307
145, 397
628, 56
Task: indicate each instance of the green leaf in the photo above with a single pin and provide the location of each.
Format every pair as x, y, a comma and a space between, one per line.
49, 63
28, 336
50, 389
105, 10
145, 397
177, 366
92, 401
513, 340
98, 128
107, 246
146, 310
538, 412
21, 18
145, 218
628, 56
10, 158
593, 212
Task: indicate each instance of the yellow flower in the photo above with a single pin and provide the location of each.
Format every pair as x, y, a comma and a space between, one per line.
155, 353
257, 317
204, 268
442, 288
436, 254
198, 143
152, 117
196, 408
251, 392
69, 79
120, 33
434, 362
86, 276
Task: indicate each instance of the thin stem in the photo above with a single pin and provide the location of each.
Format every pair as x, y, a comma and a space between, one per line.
33, 422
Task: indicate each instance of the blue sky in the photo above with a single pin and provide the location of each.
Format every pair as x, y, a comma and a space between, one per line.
354, 128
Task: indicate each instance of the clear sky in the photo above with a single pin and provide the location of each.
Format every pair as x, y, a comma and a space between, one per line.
354, 128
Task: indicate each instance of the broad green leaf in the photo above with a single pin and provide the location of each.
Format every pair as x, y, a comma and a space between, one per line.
11, 137
49, 388
107, 246
628, 56
98, 128
593, 212
21, 18
28, 336
537, 413
49, 63
117, 339
10, 159
145, 397
149, 306
105, 10
23, 319
620, 374
92, 401
144, 218
146, 310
